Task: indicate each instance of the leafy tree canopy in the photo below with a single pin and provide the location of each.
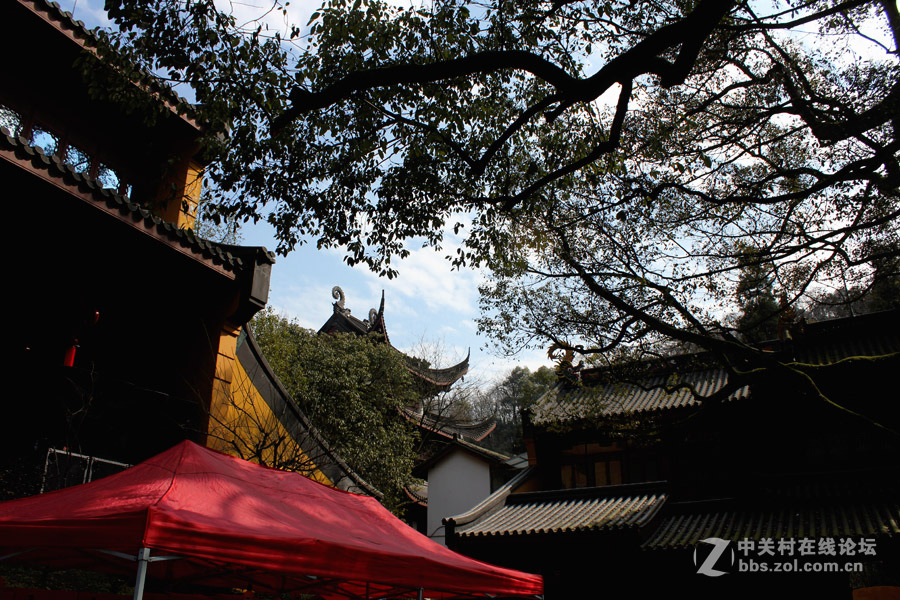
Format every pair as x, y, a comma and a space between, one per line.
610, 162
209, 228
351, 388
509, 397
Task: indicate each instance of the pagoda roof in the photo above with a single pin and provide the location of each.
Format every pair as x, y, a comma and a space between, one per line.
342, 321
473, 431
438, 377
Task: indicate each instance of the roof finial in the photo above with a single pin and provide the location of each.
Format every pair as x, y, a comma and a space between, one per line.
338, 294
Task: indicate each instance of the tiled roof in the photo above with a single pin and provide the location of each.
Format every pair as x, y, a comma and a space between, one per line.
887, 342
474, 431
61, 19
78, 32
863, 518
439, 377
418, 492
604, 392
228, 258
578, 510
811, 505
447, 446
519, 461
564, 403
487, 453
493, 502
341, 321
344, 322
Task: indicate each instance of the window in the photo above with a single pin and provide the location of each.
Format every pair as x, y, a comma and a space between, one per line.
45, 140
593, 471
52, 144
11, 121
80, 160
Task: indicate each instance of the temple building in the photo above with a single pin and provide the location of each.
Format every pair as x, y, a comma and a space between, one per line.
431, 381
635, 488
426, 414
129, 335
455, 467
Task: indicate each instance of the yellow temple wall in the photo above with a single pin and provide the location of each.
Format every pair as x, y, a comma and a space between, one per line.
178, 201
241, 422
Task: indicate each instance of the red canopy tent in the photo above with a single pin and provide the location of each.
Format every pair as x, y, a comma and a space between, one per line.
194, 515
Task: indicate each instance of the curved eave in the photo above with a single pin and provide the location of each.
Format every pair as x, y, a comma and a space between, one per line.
449, 429
445, 377
337, 464
493, 502
415, 498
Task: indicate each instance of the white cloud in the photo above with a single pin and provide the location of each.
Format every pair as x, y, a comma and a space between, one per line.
310, 305
495, 368
426, 278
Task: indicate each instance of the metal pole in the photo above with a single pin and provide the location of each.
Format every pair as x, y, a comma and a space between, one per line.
421, 594
143, 558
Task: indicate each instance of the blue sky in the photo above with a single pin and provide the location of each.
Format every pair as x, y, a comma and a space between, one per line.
430, 309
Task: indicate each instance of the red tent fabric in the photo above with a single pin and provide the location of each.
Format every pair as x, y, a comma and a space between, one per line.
238, 524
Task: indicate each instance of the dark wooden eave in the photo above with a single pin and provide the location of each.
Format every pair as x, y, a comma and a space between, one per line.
18, 154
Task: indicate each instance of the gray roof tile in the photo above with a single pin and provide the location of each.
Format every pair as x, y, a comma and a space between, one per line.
593, 509
644, 387
810, 505
865, 518
565, 403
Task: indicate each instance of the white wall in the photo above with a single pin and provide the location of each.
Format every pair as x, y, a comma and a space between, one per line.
456, 483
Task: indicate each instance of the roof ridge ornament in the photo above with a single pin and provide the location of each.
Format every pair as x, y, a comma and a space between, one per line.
338, 294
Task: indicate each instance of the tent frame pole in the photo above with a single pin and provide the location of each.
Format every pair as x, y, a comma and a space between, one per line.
421, 594
143, 558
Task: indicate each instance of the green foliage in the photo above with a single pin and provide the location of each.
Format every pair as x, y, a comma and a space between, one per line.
607, 161
210, 226
351, 388
507, 399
